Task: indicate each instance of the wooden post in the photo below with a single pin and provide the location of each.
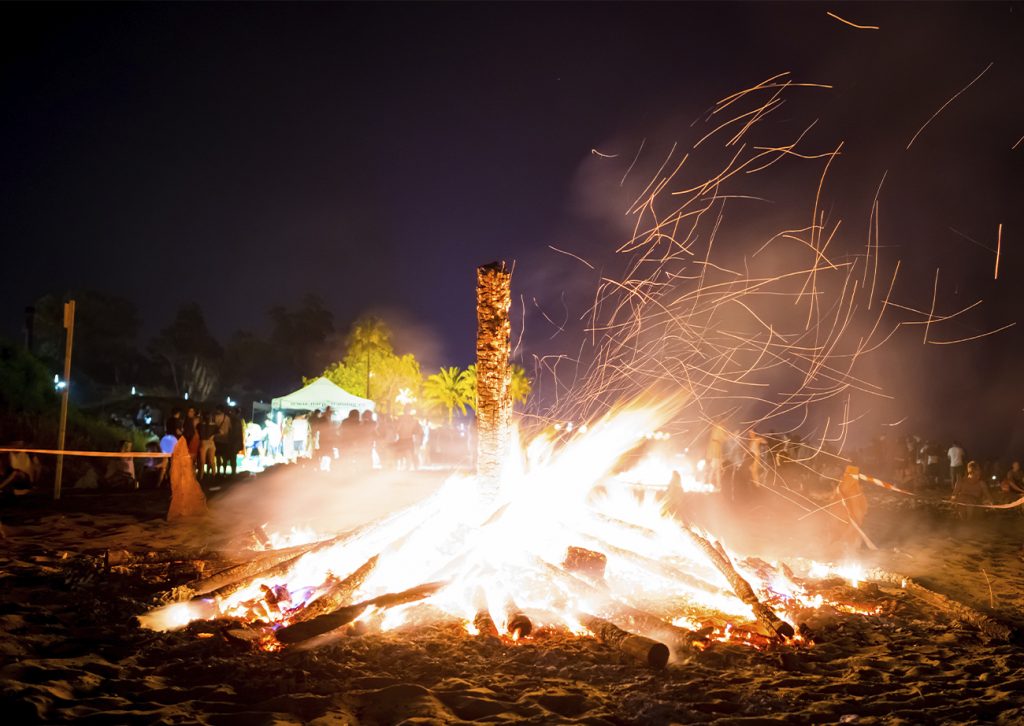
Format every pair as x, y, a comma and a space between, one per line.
493, 373
69, 325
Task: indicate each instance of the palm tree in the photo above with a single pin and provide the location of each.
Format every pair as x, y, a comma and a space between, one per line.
521, 386
449, 388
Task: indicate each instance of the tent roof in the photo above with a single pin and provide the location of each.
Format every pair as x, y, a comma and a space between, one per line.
321, 393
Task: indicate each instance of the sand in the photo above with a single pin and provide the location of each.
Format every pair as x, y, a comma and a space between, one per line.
70, 648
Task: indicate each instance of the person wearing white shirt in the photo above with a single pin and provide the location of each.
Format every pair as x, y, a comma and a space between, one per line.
956, 462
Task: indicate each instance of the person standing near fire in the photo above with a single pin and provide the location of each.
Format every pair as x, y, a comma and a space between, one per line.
715, 454
409, 434
971, 489
754, 444
956, 463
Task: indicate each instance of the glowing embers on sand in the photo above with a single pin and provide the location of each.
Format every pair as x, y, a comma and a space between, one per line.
563, 545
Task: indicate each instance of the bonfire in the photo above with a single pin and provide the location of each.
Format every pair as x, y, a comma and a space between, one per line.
557, 534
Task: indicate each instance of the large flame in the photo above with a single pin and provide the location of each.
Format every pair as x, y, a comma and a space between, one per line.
502, 554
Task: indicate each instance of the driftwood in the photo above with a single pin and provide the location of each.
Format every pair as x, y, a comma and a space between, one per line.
337, 595
991, 628
645, 650
343, 616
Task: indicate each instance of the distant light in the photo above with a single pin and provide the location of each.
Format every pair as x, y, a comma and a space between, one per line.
230, 402
133, 390
186, 395
405, 397
58, 384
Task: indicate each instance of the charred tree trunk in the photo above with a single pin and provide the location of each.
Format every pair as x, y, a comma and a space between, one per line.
493, 374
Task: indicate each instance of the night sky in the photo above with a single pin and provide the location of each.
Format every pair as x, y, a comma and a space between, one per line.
241, 156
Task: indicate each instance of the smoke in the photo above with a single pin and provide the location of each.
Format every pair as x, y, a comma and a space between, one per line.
327, 502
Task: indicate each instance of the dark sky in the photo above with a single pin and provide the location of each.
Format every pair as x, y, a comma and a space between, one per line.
242, 155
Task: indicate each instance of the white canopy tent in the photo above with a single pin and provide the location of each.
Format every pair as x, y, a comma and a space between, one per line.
320, 394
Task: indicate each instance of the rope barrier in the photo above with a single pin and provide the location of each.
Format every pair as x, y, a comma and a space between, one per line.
107, 454
890, 487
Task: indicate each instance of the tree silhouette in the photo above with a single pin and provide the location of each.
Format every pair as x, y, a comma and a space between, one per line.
191, 353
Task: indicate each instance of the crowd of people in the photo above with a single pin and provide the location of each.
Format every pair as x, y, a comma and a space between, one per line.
221, 443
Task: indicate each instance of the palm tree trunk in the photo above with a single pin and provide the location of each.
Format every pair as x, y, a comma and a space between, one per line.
493, 346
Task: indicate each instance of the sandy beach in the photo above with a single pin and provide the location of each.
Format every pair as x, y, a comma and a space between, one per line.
71, 649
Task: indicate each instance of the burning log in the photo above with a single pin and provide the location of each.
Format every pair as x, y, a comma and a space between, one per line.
645, 650
245, 571
775, 626
991, 628
659, 568
484, 623
585, 562
259, 570
343, 616
626, 613
493, 374
519, 625
337, 595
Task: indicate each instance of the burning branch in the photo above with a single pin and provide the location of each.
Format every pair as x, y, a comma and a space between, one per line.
771, 622
343, 616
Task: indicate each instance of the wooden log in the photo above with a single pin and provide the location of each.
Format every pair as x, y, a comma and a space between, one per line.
484, 623
259, 534
518, 624
991, 628
127, 559
776, 627
622, 612
337, 595
585, 562
644, 649
262, 572
658, 568
241, 572
493, 373
343, 616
